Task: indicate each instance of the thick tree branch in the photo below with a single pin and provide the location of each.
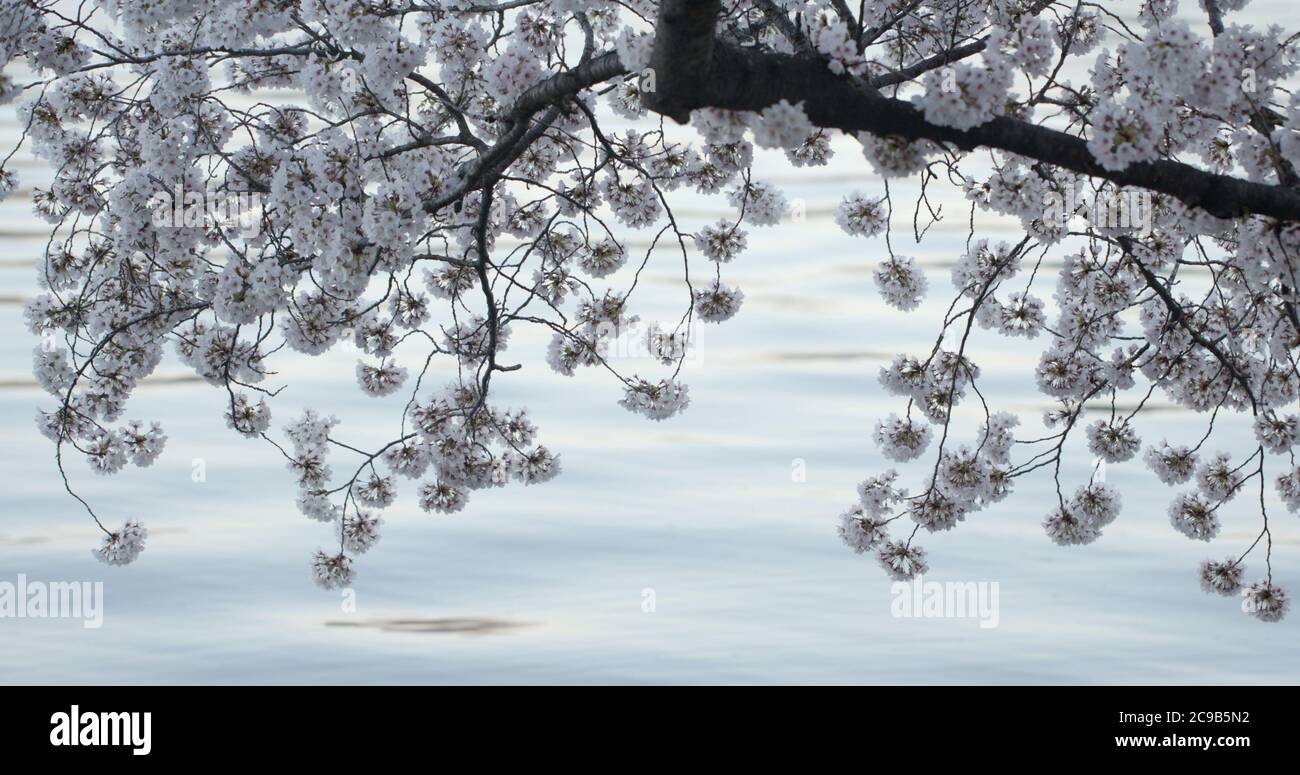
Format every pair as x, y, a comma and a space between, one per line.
519, 136
566, 84
695, 70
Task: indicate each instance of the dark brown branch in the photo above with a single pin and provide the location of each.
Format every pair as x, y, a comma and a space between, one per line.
520, 135
564, 85
695, 70
683, 52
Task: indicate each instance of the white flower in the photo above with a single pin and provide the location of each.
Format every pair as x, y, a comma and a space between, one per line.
893, 156
904, 376
981, 265
310, 468
634, 49
963, 95
1173, 465
516, 429
408, 459
1193, 517
716, 302
1114, 441
901, 282
860, 531
52, 370
603, 259
860, 216
878, 495
381, 380
442, 497
1066, 528
1221, 578
1097, 503
143, 446
656, 400
902, 438
8, 180
1030, 44
539, 465
310, 432
814, 151
997, 437
633, 200
720, 243
1022, 315
1288, 486
1000, 484
1121, 135
963, 475
1265, 601
377, 491
902, 561
761, 204
835, 40
936, 511
719, 126
1277, 434
782, 126
124, 546
1218, 479
566, 353
248, 419
331, 571
106, 453
359, 532
317, 505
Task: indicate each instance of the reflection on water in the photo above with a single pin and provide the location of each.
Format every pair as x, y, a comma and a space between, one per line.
155, 380
808, 355
464, 626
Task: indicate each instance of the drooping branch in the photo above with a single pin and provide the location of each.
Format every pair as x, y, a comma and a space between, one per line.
694, 69
1178, 315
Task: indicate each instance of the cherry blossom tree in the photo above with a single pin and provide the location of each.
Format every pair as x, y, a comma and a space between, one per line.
443, 173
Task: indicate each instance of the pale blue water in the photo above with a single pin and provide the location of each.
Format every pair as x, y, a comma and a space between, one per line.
750, 582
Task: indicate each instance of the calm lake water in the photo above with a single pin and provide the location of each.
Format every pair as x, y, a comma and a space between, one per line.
547, 584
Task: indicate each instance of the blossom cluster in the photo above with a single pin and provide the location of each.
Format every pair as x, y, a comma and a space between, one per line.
1187, 307
443, 177
391, 222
